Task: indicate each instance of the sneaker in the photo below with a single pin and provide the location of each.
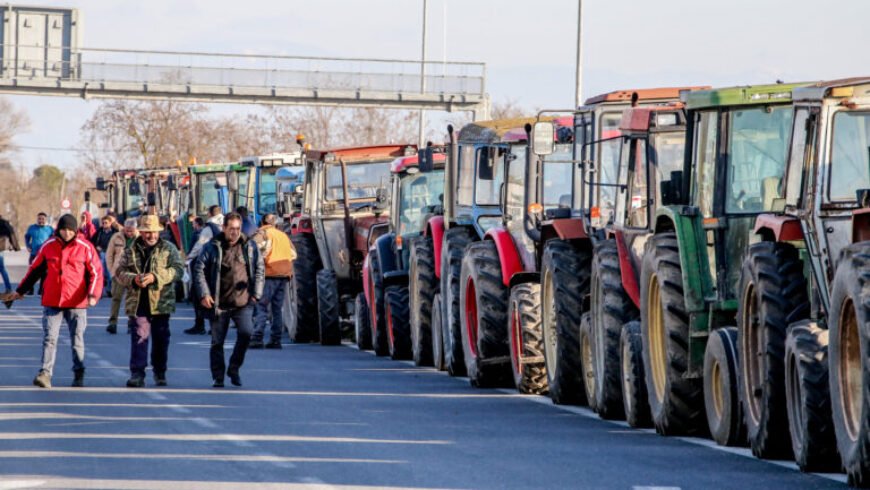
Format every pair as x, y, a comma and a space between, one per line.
43, 380
274, 344
235, 379
136, 381
79, 379
113, 329
194, 330
218, 383
255, 344
160, 379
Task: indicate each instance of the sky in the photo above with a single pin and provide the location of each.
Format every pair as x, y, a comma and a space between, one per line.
529, 47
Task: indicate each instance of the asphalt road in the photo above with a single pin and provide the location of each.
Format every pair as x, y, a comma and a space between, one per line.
318, 417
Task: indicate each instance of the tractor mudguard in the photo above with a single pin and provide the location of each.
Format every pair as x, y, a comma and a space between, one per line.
301, 224
367, 291
525, 277
564, 229
507, 253
778, 228
627, 271
435, 229
396, 278
386, 255
861, 225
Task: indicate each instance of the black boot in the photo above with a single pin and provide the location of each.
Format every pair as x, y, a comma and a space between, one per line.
79, 379
112, 328
195, 330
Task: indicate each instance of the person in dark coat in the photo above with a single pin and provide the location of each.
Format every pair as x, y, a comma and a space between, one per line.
8, 241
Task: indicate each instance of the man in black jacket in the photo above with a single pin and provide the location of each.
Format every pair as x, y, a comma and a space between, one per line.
228, 279
8, 241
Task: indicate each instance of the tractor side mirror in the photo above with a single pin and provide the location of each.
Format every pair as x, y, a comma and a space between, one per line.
778, 205
233, 181
485, 170
101, 184
672, 190
171, 183
152, 199
104, 205
87, 196
863, 196
425, 160
135, 189
382, 198
543, 138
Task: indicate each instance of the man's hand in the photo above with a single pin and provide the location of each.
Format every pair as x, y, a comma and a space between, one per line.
207, 302
253, 300
92, 301
147, 279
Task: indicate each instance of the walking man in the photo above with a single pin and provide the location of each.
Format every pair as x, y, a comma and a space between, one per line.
120, 241
206, 233
37, 234
8, 241
148, 270
101, 242
278, 254
72, 281
229, 277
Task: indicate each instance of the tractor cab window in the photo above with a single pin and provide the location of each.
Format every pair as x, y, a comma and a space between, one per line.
490, 169
850, 155
515, 188
607, 166
207, 192
465, 176
632, 205
757, 148
558, 175
135, 205
242, 194
667, 154
418, 194
704, 161
363, 180
268, 191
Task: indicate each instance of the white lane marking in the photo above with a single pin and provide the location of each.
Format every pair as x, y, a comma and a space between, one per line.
202, 422
10, 485
642, 487
155, 395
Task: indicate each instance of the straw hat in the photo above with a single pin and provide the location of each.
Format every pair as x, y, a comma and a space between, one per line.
150, 222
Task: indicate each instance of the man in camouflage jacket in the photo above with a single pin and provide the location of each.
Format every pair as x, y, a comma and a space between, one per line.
149, 269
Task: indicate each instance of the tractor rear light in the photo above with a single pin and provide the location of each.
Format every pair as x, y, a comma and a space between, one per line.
536, 208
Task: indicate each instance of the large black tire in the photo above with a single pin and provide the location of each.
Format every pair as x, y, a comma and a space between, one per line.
635, 400
452, 251
305, 269
422, 288
380, 340
362, 321
773, 294
437, 334
525, 339
722, 404
564, 282
327, 308
398, 318
811, 424
484, 299
676, 402
849, 358
611, 309
587, 360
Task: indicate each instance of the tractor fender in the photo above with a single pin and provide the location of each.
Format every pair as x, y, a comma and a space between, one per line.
860, 225
366, 280
507, 253
564, 229
435, 229
301, 224
524, 278
685, 222
396, 277
384, 246
627, 271
778, 228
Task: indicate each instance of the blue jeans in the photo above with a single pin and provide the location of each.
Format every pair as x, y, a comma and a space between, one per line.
77, 322
107, 278
4, 273
273, 298
144, 327
220, 323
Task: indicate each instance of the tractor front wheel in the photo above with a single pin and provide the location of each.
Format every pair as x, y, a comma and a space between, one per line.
327, 307
398, 330
526, 343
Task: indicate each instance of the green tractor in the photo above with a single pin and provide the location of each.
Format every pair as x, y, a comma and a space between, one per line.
737, 146
815, 250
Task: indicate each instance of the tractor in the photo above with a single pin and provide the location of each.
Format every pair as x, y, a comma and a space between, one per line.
344, 198
736, 151
416, 184
258, 189
804, 305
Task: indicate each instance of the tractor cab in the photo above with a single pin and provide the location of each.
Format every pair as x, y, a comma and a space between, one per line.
259, 187
126, 193
214, 184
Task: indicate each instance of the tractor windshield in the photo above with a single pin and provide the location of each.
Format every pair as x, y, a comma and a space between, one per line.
850, 155
757, 148
363, 180
418, 194
135, 204
558, 176
268, 190
207, 192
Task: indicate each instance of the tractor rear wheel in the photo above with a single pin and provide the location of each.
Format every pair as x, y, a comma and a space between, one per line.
305, 269
773, 294
362, 322
452, 251
811, 424
422, 288
398, 329
484, 322
437, 334
380, 342
635, 400
525, 341
849, 371
676, 402
722, 404
564, 282
611, 309
327, 307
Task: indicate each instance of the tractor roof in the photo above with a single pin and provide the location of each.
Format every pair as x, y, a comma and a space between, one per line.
642, 117
133, 172
745, 95
643, 94
203, 168
362, 154
402, 164
519, 134
844, 87
492, 131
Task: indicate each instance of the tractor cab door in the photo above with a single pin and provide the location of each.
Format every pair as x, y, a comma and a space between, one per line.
514, 201
704, 179
634, 202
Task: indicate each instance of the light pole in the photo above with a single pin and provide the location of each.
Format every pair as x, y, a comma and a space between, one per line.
422, 120
578, 74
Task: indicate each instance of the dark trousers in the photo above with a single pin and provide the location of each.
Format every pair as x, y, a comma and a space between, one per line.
220, 323
30, 261
144, 327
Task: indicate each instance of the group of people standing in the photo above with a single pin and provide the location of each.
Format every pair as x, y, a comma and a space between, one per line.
234, 277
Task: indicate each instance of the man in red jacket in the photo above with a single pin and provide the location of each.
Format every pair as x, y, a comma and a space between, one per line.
72, 278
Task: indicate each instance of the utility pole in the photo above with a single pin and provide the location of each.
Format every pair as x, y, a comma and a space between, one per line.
578, 74
422, 121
